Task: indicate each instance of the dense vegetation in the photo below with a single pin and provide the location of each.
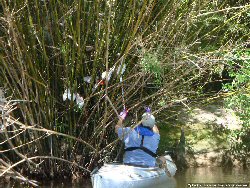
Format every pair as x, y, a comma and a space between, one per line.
239, 101
171, 49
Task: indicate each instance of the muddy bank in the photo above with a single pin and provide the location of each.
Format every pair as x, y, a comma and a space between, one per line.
206, 133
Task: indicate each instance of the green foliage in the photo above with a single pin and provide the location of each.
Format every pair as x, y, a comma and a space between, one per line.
151, 64
239, 100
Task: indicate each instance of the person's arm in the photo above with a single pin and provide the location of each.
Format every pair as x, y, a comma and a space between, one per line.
118, 125
122, 116
155, 129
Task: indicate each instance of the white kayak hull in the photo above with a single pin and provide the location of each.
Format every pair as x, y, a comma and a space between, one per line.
126, 176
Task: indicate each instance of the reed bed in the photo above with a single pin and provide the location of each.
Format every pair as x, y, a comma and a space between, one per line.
52, 47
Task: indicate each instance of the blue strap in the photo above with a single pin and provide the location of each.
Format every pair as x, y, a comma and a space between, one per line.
146, 150
145, 131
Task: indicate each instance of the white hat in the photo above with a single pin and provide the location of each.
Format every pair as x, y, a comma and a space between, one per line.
148, 120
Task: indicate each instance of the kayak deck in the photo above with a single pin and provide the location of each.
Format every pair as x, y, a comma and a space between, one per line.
124, 176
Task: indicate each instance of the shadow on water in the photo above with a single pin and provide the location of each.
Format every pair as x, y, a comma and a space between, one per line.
182, 179
80, 183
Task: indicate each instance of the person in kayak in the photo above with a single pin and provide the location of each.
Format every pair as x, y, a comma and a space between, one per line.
141, 142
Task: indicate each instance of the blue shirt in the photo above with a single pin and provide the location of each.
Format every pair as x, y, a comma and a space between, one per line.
132, 139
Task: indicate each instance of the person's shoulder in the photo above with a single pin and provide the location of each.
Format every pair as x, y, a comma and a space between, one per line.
156, 135
123, 130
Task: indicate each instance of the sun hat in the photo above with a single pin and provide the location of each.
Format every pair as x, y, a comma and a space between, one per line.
148, 120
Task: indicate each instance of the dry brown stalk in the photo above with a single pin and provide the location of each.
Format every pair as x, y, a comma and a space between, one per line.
14, 174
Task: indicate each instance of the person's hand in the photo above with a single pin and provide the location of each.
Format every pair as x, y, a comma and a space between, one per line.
123, 114
148, 110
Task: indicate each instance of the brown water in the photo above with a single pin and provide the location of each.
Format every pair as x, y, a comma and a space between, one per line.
212, 175
182, 179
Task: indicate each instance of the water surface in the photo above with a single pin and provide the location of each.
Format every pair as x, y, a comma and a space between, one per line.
181, 180
212, 175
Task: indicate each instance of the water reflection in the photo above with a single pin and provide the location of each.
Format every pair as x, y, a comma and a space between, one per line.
81, 183
191, 175
212, 175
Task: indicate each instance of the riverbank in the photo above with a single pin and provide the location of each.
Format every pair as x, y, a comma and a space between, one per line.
206, 129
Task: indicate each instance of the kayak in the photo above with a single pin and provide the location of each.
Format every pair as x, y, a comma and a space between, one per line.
115, 175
